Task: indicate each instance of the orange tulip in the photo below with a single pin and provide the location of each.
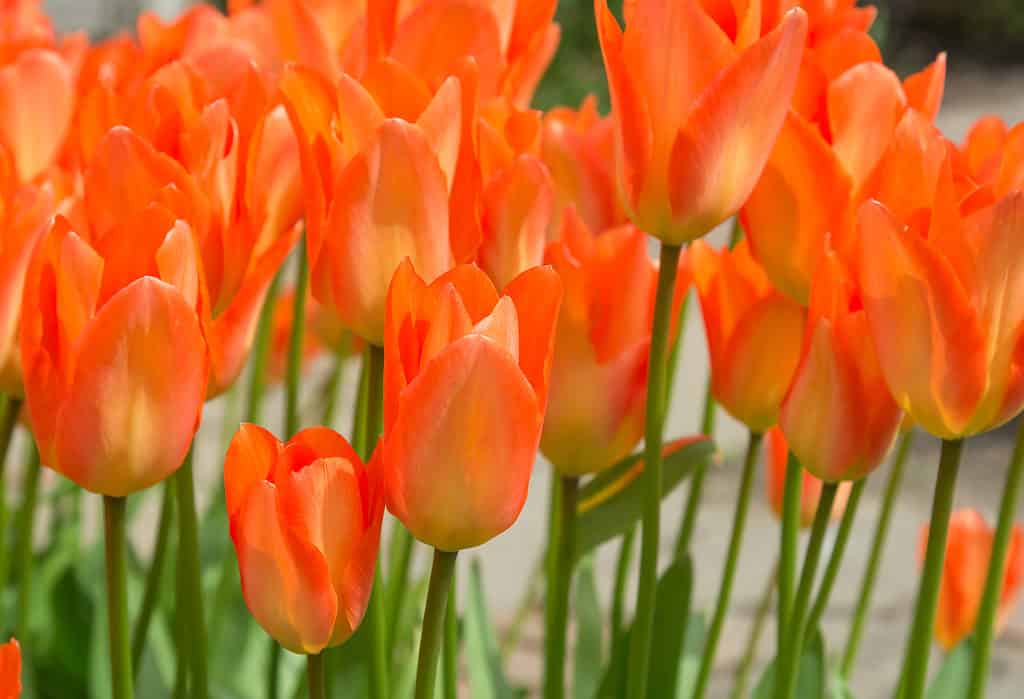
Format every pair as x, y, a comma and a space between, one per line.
992, 155
697, 108
10, 670
775, 460
305, 518
597, 401
838, 415
112, 346
968, 550
465, 388
754, 333
376, 185
824, 165
940, 292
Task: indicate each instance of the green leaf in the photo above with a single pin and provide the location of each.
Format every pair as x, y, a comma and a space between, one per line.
589, 656
672, 609
612, 502
840, 690
954, 676
693, 647
810, 683
486, 677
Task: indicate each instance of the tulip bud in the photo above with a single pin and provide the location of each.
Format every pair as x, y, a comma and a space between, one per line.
465, 388
305, 519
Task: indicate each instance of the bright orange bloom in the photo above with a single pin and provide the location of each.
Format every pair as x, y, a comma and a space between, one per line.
838, 415
992, 155
697, 108
377, 176
776, 455
968, 550
826, 163
10, 670
305, 518
754, 333
465, 387
940, 289
597, 401
112, 345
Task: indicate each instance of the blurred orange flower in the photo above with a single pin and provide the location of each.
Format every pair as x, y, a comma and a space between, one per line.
10, 670
775, 460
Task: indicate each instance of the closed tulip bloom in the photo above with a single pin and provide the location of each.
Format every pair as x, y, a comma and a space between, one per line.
305, 518
968, 550
10, 670
697, 107
597, 401
113, 351
838, 415
465, 388
775, 460
754, 333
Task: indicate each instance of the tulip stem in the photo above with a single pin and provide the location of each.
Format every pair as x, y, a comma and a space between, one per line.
26, 534
377, 617
791, 495
11, 407
450, 652
696, 491
739, 690
315, 674
441, 573
558, 586
867, 585
117, 612
835, 559
643, 624
621, 575
401, 547
916, 661
333, 387
154, 577
189, 586
989, 606
729, 571
260, 352
795, 627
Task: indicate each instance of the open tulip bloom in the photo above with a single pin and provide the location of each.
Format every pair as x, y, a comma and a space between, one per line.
374, 179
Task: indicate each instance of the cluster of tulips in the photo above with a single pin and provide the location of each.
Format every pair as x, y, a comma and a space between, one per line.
489, 263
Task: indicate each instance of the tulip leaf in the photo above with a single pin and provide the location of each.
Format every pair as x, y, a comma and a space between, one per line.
589, 657
840, 690
954, 676
811, 680
486, 677
693, 647
612, 502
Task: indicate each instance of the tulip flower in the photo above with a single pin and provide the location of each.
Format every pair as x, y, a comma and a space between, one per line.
305, 519
374, 183
465, 388
10, 670
754, 333
968, 549
112, 346
939, 293
776, 458
838, 415
696, 108
993, 155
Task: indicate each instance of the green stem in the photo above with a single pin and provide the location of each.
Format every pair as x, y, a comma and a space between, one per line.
333, 387
673, 356
273, 669
916, 660
117, 613
359, 411
696, 491
450, 652
380, 655
621, 575
985, 629
867, 584
795, 628
26, 535
739, 690
529, 601
791, 495
401, 546
643, 624
154, 577
835, 559
295, 339
190, 590
729, 572
433, 621
315, 673
260, 351
557, 606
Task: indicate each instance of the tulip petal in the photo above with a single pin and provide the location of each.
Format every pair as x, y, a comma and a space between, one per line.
441, 122
461, 450
10, 670
537, 294
924, 89
137, 391
720, 153
249, 460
